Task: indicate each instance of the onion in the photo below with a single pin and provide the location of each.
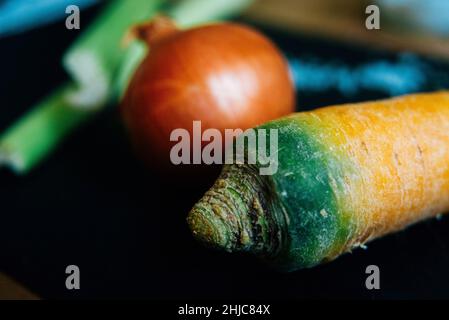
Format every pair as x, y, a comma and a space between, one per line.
226, 75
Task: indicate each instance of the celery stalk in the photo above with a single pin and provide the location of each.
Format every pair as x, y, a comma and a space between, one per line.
92, 62
94, 57
34, 135
193, 12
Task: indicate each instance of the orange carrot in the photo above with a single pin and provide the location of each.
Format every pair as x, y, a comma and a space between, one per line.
346, 175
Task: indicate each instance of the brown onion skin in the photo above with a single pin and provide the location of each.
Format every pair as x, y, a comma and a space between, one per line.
227, 75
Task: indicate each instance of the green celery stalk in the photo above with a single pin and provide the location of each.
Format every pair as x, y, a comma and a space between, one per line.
91, 62
35, 134
193, 12
93, 59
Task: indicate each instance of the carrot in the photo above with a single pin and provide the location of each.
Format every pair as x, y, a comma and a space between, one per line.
346, 175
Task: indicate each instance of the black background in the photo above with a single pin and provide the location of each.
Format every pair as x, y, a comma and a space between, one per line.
94, 205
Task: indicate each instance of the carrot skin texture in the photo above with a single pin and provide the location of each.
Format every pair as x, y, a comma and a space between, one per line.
347, 174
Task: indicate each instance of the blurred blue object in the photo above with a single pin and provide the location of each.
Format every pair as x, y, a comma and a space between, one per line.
407, 75
21, 15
